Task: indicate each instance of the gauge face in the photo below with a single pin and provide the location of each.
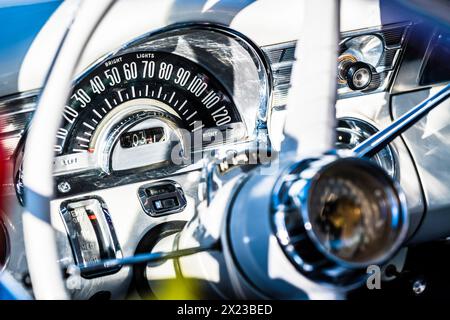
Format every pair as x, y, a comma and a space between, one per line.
183, 91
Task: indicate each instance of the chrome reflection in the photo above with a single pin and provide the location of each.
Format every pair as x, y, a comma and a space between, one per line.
355, 212
367, 48
350, 132
335, 216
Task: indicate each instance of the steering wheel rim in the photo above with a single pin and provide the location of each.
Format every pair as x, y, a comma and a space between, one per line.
39, 235
315, 65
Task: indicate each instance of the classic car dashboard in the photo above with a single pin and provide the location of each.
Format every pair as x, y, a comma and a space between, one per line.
141, 117
152, 107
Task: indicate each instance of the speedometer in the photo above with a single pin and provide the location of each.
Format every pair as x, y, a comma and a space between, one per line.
158, 105
133, 106
187, 90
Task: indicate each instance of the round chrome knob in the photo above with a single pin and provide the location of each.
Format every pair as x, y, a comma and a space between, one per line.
359, 75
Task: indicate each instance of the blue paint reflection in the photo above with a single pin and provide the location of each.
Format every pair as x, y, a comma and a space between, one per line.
20, 22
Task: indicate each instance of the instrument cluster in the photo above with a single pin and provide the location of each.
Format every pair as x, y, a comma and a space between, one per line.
155, 106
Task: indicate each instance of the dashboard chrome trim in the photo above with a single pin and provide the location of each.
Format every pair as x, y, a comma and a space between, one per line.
16, 112
281, 57
106, 219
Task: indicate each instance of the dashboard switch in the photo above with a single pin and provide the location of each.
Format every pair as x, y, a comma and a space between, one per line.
91, 233
359, 75
162, 198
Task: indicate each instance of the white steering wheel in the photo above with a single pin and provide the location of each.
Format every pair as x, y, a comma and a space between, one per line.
319, 41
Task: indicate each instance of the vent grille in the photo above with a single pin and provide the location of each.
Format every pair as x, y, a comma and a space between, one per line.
281, 57
15, 115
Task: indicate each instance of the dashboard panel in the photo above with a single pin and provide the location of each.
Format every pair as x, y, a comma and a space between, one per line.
158, 105
201, 86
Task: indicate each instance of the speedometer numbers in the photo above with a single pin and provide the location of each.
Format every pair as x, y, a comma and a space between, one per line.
188, 91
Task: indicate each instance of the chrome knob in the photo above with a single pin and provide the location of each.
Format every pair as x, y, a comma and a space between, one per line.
359, 75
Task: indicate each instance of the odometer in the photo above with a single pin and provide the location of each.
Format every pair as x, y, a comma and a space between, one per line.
141, 137
168, 82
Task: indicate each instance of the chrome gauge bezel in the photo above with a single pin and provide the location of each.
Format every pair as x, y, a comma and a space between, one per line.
258, 120
387, 158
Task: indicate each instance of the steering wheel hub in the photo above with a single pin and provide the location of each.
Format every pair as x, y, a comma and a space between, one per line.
340, 214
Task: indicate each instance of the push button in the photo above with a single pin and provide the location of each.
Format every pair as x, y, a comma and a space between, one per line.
162, 198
